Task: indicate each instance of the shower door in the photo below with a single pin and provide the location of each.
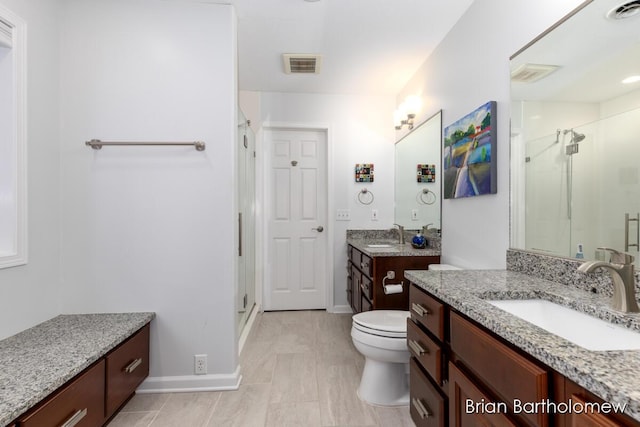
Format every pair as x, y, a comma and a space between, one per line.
245, 299
582, 189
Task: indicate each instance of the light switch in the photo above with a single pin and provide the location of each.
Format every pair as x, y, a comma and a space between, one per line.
414, 214
374, 214
343, 215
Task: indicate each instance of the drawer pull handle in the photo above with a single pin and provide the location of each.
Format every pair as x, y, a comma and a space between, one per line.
132, 366
422, 410
75, 418
417, 348
420, 310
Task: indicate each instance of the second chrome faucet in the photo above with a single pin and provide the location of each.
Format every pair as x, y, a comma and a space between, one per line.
623, 277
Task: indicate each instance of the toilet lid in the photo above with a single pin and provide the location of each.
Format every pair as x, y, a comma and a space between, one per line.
394, 321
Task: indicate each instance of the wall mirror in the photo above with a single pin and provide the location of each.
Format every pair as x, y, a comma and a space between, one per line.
575, 153
418, 175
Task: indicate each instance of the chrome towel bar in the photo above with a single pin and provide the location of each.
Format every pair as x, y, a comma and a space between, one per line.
96, 144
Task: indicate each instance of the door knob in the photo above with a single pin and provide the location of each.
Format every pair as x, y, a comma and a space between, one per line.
320, 229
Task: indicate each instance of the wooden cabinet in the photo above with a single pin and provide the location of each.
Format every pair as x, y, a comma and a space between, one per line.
428, 349
365, 275
126, 367
484, 380
92, 397
79, 403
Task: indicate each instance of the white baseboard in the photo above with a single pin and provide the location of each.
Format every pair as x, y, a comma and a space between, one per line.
247, 327
191, 383
341, 309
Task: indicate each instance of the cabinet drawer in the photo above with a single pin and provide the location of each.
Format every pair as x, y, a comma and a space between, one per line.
510, 375
127, 366
426, 351
367, 287
366, 265
355, 256
469, 406
426, 405
82, 400
427, 311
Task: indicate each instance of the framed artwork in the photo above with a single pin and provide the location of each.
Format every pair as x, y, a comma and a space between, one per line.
469, 154
364, 172
426, 173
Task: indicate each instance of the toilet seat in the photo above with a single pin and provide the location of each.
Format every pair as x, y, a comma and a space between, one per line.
383, 323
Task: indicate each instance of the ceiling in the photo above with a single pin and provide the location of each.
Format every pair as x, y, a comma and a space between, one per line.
368, 47
593, 53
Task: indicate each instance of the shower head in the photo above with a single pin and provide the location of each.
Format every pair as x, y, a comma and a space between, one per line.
575, 136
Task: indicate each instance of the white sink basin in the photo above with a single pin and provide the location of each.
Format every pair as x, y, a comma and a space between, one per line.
579, 328
380, 245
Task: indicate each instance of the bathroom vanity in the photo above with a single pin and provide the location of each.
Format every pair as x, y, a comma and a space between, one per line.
370, 261
474, 364
73, 369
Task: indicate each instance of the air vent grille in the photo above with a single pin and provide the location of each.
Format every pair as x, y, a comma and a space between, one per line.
529, 73
302, 63
625, 10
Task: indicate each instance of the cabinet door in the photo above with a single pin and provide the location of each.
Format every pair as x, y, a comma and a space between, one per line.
470, 407
80, 403
587, 419
509, 375
127, 367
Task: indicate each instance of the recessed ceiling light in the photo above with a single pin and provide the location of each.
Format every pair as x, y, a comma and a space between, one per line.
631, 79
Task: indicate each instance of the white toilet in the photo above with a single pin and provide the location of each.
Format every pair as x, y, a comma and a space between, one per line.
381, 337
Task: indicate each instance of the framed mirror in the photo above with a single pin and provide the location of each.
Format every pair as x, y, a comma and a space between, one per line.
575, 154
418, 168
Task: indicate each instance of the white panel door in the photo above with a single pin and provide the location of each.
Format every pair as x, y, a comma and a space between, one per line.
297, 219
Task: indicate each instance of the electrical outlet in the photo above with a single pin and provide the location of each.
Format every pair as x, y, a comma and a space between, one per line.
414, 214
374, 214
200, 364
343, 215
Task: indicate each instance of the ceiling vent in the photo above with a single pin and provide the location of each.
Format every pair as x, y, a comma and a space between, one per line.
625, 10
529, 73
302, 63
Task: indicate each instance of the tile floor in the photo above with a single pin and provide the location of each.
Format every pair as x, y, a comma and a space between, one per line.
299, 368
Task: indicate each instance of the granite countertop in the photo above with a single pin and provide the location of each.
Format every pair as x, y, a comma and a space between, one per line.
39, 360
394, 249
612, 375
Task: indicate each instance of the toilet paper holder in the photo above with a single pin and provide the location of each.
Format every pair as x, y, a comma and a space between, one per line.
392, 288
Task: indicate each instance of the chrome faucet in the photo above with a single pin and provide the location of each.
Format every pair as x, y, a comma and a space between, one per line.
426, 229
400, 233
624, 280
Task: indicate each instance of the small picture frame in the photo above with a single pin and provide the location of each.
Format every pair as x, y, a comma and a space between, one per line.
364, 172
426, 173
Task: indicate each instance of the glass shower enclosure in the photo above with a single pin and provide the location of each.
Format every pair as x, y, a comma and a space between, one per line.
246, 287
582, 189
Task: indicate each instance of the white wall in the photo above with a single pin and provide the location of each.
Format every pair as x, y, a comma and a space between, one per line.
28, 293
152, 228
360, 131
469, 68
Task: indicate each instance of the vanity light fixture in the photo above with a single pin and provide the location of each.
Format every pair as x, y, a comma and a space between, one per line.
631, 79
406, 112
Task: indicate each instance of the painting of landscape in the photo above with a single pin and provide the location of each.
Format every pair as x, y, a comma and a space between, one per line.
469, 154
